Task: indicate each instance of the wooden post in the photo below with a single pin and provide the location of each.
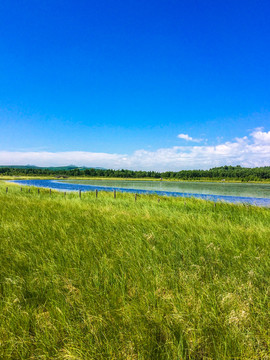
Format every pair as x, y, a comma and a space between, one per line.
29, 190
38, 191
50, 192
21, 188
7, 190
64, 194
96, 193
135, 197
80, 193
114, 194
158, 199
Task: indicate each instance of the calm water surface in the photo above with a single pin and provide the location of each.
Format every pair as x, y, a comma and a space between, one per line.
257, 194
214, 188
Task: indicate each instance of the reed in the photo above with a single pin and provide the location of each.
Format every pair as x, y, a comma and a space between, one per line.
104, 278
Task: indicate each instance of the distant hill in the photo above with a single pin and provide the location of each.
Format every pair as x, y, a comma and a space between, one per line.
53, 168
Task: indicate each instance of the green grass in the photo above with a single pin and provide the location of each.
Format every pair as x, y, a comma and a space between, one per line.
117, 279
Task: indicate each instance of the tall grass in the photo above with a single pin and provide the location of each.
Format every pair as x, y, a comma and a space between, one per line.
113, 278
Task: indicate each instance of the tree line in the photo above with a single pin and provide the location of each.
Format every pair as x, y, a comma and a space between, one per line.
217, 173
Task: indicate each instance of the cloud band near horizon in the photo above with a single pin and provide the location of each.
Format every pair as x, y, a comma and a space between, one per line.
249, 151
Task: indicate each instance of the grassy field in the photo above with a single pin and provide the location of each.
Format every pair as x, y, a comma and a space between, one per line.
113, 278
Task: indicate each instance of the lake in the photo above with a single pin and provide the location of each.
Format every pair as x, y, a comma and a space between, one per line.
256, 194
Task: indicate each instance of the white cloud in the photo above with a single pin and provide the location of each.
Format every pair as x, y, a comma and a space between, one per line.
188, 138
260, 136
247, 151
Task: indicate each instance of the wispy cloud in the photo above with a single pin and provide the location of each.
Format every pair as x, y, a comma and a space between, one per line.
188, 138
252, 150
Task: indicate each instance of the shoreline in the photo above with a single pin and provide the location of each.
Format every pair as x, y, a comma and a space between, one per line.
71, 187
227, 181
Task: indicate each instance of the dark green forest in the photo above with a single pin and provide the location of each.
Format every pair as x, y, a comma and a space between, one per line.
218, 173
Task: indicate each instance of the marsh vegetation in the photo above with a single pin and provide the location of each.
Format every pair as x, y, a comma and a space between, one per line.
104, 278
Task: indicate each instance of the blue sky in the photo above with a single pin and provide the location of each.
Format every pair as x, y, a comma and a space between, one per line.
114, 83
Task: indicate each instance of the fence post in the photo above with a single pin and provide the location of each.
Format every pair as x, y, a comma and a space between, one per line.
96, 193
29, 190
114, 194
6, 189
50, 192
64, 194
38, 191
80, 193
21, 188
135, 197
